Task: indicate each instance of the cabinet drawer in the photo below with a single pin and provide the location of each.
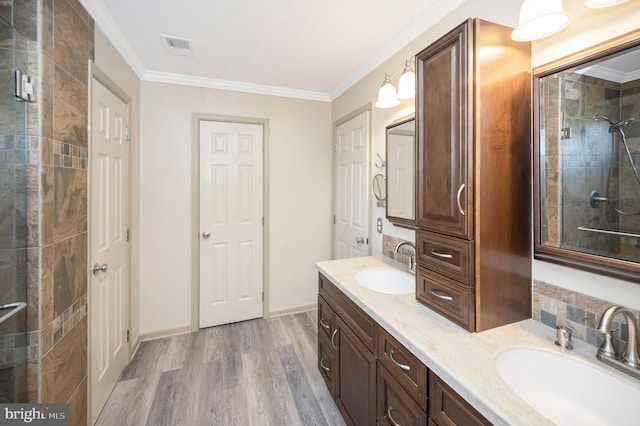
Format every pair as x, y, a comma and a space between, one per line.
450, 256
394, 406
326, 318
447, 408
357, 320
446, 296
326, 363
408, 370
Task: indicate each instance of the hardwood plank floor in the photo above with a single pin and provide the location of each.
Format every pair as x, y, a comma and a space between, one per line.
259, 372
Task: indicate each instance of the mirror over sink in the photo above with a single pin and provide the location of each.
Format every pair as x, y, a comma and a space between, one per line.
401, 147
587, 159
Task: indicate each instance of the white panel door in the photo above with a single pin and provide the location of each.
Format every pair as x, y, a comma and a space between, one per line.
108, 245
352, 188
230, 222
400, 179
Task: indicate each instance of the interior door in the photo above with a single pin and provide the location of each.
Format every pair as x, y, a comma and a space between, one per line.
231, 188
108, 244
352, 188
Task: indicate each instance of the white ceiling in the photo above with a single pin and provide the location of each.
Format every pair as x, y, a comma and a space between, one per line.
300, 48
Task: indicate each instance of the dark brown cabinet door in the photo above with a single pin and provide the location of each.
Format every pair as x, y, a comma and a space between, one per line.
447, 408
356, 378
444, 192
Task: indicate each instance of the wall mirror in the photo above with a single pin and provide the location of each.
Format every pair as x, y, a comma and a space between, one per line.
587, 159
401, 148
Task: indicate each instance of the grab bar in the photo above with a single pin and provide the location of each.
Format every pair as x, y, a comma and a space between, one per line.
604, 231
15, 308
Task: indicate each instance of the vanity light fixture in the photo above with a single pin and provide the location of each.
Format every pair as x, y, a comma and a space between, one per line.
539, 19
600, 4
388, 96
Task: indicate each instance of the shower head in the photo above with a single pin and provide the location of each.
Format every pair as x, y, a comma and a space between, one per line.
620, 124
602, 117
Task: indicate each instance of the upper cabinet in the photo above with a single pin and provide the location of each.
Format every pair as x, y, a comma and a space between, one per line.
473, 176
444, 195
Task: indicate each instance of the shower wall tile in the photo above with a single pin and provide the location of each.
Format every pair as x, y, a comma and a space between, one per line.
25, 15
70, 109
70, 202
78, 405
70, 275
33, 288
69, 359
71, 40
47, 204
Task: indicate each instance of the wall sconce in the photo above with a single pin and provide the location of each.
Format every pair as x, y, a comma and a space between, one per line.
540, 18
599, 4
388, 96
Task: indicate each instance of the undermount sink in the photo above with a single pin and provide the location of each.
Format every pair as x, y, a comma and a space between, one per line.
386, 280
566, 391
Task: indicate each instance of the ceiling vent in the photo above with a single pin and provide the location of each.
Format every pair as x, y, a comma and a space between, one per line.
178, 45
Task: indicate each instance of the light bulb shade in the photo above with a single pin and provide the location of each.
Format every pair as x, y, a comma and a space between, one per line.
387, 95
407, 83
599, 4
539, 19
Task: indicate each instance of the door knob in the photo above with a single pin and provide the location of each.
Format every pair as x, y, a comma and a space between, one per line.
97, 268
206, 234
361, 240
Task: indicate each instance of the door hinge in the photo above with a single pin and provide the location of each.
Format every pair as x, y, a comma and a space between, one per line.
127, 234
335, 147
334, 219
127, 134
24, 86
263, 296
128, 335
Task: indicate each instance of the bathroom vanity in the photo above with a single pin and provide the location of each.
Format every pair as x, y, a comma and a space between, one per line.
388, 358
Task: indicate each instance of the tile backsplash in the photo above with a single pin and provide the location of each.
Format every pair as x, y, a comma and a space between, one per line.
389, 243
554, 306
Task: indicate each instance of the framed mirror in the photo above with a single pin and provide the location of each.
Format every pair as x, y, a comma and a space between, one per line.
587, 159
401, 155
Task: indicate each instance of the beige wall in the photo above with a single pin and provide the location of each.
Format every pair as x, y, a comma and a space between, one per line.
112, 64
587, 28
298, 159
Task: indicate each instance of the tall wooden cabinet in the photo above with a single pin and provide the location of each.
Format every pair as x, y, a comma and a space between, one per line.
473, 176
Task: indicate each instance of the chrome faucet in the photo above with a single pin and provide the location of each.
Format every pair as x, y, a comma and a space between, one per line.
629, 362
411, 268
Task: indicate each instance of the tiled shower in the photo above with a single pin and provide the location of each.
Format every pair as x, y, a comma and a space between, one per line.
43, 167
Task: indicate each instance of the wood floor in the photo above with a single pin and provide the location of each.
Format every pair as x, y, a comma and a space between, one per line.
260, 372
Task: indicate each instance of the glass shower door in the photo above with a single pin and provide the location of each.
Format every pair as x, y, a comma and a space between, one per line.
14, 339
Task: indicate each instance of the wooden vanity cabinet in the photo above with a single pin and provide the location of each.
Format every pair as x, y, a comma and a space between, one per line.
346, 356
447, 408
473, 176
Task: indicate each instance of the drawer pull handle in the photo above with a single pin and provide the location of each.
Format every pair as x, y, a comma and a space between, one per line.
403, 366
322, 323
390, 417
332, 337
442, 296
458, 199
327, 369
443, 255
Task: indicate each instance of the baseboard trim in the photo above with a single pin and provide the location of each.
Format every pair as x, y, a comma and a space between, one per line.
159, 334
294, 310
134, 347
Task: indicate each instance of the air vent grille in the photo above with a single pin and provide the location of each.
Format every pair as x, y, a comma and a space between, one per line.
178, 45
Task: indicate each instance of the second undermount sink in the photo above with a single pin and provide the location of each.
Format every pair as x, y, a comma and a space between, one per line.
386, 280
567, 391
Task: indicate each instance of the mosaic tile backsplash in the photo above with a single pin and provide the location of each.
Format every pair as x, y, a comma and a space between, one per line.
554, 306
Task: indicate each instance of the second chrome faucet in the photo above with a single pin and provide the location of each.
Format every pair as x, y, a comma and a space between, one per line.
629, 361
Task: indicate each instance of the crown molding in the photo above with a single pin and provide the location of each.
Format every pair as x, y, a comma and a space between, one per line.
610, 74
236, 86
434, 14
108, 26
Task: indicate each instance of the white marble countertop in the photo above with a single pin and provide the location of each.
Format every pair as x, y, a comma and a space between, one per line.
464, 360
